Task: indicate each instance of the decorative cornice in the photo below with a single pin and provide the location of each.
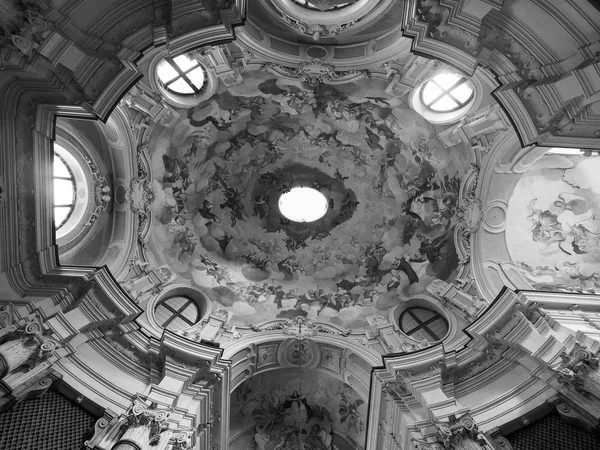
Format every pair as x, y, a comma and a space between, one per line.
316, 30
300, 327
316, 72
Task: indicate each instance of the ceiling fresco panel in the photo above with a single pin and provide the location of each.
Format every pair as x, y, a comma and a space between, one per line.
392, 190
553, 224
297, 409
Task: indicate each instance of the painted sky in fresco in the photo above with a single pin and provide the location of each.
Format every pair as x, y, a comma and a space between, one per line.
393, 190
553, 223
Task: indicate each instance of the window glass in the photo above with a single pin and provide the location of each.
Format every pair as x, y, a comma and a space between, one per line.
181, 75
446, 92
423, 324
64, 192
177, 313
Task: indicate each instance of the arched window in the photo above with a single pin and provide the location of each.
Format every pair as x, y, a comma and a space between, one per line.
177, 313
181, 75
423, 324
65, 193
446, 92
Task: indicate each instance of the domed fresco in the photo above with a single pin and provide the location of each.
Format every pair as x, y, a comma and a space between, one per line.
391, 187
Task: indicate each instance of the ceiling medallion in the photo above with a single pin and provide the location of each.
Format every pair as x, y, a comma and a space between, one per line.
303, 204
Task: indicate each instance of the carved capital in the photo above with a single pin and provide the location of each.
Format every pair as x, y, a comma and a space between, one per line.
143, 426
580, 369
457, 434
24, 346
34, 387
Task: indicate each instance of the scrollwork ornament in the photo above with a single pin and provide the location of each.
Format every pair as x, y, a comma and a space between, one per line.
48, 346
456, 434
6, 316
32, 328
503, 443
137, 409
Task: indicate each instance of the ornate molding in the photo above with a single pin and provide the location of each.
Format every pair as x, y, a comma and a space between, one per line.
316, 30
101, 193
300, 327
6, 316
440, 27
34, 387
316, 72
456, 434
141, 196
581, 369
23, 27
152, 418
470, 215
25, 345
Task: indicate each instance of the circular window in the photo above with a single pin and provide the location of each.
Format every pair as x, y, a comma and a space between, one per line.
423, 324
446, 92
303, 204
65, 193
181, 75
177, 313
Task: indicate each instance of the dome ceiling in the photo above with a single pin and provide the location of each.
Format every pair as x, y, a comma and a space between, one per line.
392, 192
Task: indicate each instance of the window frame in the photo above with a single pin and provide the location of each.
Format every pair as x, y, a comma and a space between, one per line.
423, 325
74, 197
182, 75
177, 313
445, 92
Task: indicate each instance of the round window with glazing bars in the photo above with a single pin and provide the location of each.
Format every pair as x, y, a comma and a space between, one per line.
423, 324
177, 313
181, 75
446, 92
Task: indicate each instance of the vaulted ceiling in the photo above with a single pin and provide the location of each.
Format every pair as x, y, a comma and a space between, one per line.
297, 341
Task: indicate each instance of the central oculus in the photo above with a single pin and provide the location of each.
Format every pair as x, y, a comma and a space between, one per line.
303, 204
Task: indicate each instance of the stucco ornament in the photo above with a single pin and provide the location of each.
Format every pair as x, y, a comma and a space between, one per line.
24, 346
580, 369
143, 425
316, 72
140, 195
456, 434
316, 30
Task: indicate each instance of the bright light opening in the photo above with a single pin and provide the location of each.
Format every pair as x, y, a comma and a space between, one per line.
64, 192
303, 204
181, 75
446, 92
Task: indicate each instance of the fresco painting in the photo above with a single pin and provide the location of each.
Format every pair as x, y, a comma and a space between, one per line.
298, 409
392, 188
553, 224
